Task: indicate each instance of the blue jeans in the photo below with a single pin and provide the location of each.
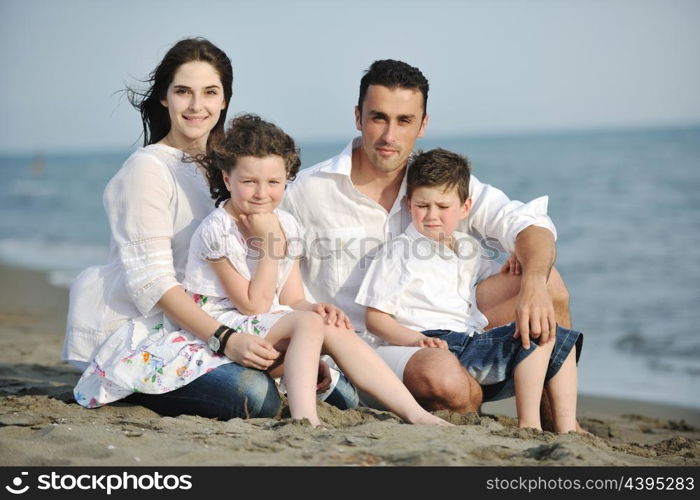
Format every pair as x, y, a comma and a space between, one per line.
232, 391
491, 357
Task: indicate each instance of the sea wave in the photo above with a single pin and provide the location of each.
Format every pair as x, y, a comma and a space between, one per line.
62, 259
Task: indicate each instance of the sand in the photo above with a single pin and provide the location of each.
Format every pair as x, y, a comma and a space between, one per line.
40, 424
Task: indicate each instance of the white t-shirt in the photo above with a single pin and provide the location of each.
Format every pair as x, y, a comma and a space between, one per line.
424, 285
343, 227
218, 236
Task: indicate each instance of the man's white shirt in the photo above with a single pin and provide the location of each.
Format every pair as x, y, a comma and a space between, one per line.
343, 227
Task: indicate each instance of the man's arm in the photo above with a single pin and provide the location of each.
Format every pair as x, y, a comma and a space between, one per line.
534, 311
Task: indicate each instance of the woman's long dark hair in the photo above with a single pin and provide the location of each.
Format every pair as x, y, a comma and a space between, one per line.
154, 116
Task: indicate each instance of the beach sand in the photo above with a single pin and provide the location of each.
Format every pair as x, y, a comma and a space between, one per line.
40, 424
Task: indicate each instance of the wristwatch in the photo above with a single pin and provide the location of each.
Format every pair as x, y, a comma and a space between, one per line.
214, 341
224, 339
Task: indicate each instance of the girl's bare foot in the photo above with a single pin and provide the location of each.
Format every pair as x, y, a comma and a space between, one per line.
427, 418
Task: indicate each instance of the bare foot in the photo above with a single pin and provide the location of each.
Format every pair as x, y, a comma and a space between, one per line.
426, 418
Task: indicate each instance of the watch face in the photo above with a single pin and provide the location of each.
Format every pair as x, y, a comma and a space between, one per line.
213, 343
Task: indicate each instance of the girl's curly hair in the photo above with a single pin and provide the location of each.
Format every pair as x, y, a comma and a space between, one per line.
246, 135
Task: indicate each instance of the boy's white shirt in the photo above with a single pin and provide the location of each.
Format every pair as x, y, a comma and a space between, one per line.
343, 227
425, 285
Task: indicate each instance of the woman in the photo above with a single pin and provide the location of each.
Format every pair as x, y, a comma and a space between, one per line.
154, 204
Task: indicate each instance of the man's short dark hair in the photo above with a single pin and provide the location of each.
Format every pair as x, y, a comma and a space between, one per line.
439, 167
392, 74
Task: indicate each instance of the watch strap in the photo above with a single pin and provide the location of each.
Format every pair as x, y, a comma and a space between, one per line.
224, 340
220, 330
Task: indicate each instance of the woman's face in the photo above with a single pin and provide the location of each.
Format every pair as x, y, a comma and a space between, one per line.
194, 100
256, 184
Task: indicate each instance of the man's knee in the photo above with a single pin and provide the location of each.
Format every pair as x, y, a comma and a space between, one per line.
439, 382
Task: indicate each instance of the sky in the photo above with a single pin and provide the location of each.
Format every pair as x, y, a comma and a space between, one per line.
495, 67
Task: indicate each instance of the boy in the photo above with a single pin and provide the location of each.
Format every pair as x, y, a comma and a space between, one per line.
420, 291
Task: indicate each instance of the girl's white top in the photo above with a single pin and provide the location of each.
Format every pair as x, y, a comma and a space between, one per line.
219, 237
154, 204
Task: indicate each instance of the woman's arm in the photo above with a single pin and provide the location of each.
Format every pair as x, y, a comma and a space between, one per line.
247, 350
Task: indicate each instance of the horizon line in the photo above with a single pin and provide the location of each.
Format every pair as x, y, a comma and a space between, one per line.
331, 141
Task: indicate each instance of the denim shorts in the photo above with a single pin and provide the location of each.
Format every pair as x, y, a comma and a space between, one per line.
491, 357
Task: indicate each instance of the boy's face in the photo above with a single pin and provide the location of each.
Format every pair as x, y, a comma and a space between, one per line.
436, 211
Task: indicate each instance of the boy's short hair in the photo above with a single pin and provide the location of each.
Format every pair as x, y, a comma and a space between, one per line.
394, 74
439, 167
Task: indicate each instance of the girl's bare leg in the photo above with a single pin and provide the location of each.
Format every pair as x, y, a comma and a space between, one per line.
529, 380
368, 371
305, 334
561, 390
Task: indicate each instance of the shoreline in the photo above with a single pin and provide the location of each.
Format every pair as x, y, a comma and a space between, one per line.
36, 414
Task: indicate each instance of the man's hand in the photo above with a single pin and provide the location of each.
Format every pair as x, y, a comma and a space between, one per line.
431, 342
332, 314
251, 351
534, 313
324, 377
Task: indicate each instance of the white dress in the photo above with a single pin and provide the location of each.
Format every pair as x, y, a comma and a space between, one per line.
154, 203
155, 356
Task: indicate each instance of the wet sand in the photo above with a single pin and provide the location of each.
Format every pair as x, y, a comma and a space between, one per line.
40, 424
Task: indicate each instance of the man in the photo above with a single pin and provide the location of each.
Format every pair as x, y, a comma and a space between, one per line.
356, 201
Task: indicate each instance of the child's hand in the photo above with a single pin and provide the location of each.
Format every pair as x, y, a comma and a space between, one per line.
332, 314
262, 225
431, 342
324, 377
511, 266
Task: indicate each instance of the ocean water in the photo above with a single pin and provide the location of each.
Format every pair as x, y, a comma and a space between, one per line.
626, 206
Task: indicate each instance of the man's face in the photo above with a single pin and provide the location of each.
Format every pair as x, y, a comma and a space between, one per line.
391, 121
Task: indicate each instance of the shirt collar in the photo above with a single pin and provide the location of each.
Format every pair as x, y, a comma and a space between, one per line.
441, 250
342, 163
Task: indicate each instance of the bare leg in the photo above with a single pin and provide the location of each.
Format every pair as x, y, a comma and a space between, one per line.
368, 371
439, 382
561, 389
496, 298
529, 381
305, 338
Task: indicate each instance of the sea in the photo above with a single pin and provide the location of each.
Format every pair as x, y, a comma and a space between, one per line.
626, 205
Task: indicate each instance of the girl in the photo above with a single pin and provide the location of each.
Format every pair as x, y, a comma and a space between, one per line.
154, 203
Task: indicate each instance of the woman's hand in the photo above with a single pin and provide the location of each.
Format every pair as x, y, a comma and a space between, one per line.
251, 351
332, 314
